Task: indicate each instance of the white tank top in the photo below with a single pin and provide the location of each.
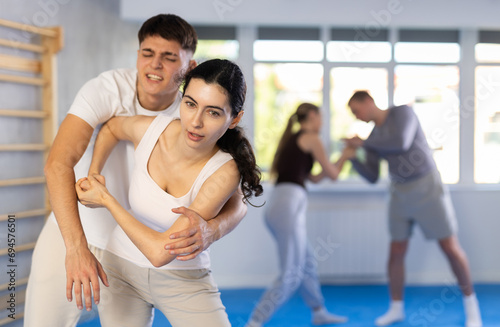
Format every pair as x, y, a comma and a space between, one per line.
152, 206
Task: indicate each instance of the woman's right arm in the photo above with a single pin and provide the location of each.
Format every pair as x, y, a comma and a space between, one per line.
216, 190
114, 130
311, 143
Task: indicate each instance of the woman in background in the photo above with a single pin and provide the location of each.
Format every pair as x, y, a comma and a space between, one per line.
285, 217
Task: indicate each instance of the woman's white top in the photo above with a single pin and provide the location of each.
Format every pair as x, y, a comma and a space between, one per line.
152, 205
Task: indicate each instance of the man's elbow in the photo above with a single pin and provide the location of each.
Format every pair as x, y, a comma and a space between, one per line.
54, 168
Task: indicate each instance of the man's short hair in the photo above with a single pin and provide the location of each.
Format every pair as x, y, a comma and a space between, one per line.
360, 96
172, 28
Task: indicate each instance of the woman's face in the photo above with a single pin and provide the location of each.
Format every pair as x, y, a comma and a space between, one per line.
205, 113
314, 118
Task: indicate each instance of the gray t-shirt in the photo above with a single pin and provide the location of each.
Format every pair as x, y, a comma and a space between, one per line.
401, 141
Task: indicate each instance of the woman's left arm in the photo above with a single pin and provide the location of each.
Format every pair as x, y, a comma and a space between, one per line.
200, 233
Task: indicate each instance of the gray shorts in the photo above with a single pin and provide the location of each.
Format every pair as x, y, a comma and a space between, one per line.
425, 201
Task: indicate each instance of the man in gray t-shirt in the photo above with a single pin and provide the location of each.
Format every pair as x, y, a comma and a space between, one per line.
417, 196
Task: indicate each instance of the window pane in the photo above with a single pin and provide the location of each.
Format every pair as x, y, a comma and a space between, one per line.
433, 93
279, 89
212, 49
344, 82
426, 52
264, 50
487, 129
351, 51
487, 52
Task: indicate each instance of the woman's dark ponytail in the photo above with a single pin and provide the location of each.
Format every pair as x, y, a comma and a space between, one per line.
236, 144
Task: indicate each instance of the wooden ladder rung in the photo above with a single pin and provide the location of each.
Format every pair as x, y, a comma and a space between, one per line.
23, 147
22, 46
22, 181
29, 28
19, 248
23, 113
8, 320
19, 282
22, 79
20, 64
25, 214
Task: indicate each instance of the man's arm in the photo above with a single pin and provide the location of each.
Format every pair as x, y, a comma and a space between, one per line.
201, 234
370, 168
398, 135
82, 268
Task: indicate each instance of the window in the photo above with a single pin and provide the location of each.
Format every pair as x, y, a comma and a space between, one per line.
427, 52
288, 44
487, 119
488, 48
355, 48
279, 89
421, 68
350, 51
433, 93
221, 49
280, 50
431, 87
287, 72
216, 42
358, 45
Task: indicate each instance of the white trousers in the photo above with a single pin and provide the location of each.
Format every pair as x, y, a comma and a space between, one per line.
286, 219
46, 304
188, 298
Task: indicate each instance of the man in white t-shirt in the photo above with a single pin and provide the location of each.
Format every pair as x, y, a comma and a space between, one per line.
74, 236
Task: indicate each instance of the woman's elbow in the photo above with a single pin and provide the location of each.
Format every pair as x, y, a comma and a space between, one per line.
157, 255
333, 174
159, 261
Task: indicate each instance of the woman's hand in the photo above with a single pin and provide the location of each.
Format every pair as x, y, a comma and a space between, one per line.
354, 142
92, 191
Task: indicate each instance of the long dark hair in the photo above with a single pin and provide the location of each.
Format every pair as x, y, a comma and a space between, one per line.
299, 116
229, 76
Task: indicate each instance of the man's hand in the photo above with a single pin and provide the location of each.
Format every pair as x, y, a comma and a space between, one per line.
84, 270
354, 142
195, 239
349, 152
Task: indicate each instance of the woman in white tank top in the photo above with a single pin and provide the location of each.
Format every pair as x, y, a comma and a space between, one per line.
197, 161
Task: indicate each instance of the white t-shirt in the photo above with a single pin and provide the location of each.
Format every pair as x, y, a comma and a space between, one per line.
152, 205
112, 93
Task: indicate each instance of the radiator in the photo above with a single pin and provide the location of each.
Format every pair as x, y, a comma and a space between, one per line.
349, 241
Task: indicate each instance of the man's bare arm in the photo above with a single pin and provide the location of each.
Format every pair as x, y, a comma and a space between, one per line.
82, 268
201, 234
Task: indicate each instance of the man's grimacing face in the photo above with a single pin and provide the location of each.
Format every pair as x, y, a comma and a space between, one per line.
161, 65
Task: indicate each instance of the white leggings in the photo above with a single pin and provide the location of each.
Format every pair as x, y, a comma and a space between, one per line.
286, 219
